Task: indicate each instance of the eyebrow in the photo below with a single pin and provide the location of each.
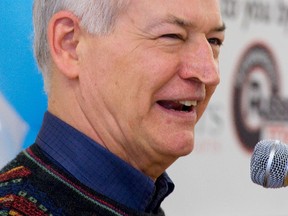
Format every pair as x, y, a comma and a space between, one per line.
220, 28
185, 24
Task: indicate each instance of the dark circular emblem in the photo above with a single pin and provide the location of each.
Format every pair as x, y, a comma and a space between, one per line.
256, 81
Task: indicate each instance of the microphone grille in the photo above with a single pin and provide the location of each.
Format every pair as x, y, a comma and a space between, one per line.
268, 163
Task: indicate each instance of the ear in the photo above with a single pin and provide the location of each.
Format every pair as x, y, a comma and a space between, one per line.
63, 39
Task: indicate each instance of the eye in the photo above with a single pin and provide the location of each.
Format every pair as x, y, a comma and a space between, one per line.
173, 36
215, 41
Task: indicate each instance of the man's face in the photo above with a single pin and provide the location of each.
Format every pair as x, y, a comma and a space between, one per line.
145, 85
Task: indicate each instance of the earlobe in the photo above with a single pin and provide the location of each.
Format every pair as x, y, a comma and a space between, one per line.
63, 39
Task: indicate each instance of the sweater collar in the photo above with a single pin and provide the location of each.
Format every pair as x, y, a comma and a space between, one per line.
99, 169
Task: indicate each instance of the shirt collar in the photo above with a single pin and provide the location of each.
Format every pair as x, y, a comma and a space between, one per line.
99, 169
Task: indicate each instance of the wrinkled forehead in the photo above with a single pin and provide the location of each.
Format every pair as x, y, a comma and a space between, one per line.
192, 13
184, 6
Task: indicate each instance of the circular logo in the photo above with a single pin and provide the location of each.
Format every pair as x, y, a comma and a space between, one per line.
256, 81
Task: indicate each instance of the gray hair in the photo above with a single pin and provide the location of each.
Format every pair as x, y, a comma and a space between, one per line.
96, 16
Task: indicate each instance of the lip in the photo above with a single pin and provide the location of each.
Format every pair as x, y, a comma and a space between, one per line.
190, 117
195, 94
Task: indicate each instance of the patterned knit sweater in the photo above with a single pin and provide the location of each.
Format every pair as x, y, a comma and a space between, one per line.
31, 185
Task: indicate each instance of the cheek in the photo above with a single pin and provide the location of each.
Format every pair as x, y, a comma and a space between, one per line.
158, 70
146, 70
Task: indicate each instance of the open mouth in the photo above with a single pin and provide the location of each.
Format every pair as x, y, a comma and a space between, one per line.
180, 106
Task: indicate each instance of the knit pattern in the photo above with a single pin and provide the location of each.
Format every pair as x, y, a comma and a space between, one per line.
31, 186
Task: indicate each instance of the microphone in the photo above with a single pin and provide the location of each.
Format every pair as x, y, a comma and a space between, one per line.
269, 163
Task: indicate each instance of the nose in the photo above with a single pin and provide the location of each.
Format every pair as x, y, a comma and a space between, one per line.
199, 63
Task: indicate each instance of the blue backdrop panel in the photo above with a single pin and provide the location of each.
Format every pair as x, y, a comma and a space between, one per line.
20, 81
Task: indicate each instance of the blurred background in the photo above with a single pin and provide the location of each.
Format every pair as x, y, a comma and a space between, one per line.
22, 98
249, 105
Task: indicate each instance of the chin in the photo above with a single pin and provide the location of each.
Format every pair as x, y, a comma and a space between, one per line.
180, 148
187, 150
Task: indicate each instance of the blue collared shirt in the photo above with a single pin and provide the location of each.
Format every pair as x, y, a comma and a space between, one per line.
99, 169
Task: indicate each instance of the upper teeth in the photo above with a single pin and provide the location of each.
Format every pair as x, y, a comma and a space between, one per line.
188, 103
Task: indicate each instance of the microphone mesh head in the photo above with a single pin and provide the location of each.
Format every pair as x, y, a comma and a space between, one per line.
269, 172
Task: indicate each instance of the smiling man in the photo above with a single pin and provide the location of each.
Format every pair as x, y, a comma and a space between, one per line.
127, 82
